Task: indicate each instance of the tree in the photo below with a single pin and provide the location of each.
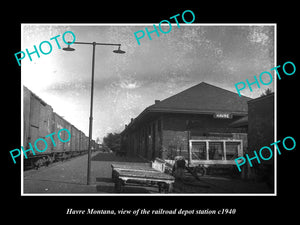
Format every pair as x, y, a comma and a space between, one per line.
113, 141
267, 92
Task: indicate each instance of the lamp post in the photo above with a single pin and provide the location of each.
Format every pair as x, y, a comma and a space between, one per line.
119, 51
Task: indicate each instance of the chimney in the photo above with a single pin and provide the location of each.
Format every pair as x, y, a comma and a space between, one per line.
156, 101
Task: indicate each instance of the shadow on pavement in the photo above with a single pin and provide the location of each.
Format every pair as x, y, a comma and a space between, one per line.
113, 158
107, 186
55, 181
127, 189
105, 189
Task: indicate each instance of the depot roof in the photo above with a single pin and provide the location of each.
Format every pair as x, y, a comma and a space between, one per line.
202, 98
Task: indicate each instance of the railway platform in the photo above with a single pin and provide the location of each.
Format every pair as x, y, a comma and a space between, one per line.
69, 177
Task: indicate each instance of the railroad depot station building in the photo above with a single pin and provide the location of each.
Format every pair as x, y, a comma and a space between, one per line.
197, 119
206, 124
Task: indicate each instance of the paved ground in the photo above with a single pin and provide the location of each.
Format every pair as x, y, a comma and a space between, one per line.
70, 177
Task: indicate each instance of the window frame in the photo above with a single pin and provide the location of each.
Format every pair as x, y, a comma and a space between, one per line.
213, 161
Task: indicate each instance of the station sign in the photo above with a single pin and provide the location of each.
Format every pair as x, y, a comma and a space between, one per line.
223, 116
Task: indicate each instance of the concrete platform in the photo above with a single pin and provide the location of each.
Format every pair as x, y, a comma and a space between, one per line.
69, 177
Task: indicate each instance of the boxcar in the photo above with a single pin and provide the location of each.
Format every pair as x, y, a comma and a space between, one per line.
38, 117
75, 140
62, 148
39, 121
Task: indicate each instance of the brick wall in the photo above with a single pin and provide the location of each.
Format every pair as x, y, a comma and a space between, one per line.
174, 143
167, 136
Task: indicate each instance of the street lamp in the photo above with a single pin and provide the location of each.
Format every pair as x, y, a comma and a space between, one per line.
69, 49
119, 51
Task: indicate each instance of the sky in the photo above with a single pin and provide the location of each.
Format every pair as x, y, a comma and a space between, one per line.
125, 84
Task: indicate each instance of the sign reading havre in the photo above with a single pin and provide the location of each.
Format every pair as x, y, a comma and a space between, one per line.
223, 116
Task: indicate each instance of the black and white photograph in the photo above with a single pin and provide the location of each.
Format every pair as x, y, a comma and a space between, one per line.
108, 112
150, 112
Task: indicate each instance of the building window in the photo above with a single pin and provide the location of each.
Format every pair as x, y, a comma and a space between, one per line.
199, 151
216, 151
232, 150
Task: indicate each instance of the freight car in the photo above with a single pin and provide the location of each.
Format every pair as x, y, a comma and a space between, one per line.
39, 121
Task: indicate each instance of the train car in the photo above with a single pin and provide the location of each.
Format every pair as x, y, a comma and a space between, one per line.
85, 143
38, 117
62, 149
40, 121
75, 141
81, 141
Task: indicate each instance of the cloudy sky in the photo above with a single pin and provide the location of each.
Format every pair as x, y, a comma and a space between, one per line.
125, 84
